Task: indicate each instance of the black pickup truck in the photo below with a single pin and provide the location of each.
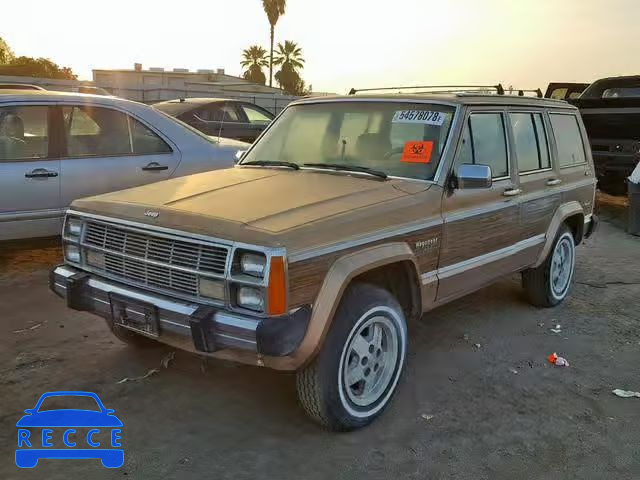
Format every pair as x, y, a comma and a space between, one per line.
610, 109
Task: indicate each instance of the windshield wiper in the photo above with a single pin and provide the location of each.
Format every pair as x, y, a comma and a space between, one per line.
272, 163
348, 168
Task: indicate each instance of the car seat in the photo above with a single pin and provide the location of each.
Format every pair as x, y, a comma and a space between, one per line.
12, 143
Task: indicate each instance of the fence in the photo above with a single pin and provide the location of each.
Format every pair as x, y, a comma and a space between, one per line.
275, 103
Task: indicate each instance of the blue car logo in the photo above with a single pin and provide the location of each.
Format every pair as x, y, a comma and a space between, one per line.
80, 433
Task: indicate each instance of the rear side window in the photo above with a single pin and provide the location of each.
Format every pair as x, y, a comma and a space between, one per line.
255, 116
530, 142
23, 133
96, 132
146, 142
484, 143
102, 132
568, 139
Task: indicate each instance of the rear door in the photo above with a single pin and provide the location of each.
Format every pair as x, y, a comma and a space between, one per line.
482, 226
539, 181
107, 150
30, 204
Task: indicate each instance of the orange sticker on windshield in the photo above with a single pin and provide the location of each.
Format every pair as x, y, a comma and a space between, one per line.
417, 152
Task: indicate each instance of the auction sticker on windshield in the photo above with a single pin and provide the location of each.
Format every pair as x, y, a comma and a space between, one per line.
426, 117
417, 152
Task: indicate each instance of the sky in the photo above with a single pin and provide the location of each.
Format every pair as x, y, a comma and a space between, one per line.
346, 43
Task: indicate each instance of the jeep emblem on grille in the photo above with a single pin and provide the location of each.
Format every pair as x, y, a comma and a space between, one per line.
151, 213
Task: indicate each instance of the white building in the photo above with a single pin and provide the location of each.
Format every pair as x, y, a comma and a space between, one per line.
157, 84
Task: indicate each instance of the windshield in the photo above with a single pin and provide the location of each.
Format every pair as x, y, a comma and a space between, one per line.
398, 139
621, 92
66, 402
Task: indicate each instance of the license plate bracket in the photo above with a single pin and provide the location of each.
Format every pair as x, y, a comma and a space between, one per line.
136, 315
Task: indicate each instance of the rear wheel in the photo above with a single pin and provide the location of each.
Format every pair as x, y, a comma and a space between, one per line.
354, 377
549, 284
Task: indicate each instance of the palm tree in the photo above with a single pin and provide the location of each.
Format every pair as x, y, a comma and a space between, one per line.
273, 9
253, 59
289, 57
289, 54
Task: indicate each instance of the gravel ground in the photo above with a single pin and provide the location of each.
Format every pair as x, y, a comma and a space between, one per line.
497, 411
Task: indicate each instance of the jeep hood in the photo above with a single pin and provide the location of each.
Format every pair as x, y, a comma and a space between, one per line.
252, 205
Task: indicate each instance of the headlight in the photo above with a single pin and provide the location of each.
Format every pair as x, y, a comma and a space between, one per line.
72, 253
253, 264
251, 298
213, 289
73, 227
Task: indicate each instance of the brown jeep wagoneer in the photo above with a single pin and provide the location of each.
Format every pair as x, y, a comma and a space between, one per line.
348, 218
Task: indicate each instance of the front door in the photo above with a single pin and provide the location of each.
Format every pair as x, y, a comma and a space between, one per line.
108, 150
30, 203
481, 226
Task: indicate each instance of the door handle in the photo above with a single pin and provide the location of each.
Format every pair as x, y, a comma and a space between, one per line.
40, 173
154, 167
512, 192
554, 181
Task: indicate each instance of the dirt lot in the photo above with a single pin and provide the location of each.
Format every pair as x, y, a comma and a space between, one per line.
499, 411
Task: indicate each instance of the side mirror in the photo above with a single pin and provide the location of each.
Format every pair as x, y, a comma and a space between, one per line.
29, 410
474, 176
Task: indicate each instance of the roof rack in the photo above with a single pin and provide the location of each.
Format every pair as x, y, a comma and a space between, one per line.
448, 89
537, 91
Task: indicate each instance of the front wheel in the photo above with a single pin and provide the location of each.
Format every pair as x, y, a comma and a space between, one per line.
356, 373
549, 284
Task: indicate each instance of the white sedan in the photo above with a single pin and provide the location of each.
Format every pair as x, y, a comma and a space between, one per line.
56, 147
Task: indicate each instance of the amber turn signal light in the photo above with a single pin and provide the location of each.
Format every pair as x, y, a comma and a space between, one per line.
277, 296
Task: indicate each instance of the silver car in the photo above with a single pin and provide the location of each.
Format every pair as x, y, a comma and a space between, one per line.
56, 147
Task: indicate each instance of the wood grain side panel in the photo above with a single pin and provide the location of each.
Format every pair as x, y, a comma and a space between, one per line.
306, 276
583, 195
537, 214
479, 234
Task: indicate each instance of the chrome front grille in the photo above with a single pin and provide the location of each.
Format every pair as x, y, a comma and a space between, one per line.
154, 260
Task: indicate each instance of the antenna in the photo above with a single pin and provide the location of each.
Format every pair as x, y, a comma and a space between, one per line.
224, 113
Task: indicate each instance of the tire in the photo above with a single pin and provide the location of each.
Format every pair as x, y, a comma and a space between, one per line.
549, 284
131, 338
366, 345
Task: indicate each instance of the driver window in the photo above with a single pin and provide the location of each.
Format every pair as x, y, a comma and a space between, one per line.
23, 133
484, 142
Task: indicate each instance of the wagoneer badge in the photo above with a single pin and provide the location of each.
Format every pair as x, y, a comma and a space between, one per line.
151, 213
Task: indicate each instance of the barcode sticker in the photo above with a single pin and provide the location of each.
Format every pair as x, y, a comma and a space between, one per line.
426, 117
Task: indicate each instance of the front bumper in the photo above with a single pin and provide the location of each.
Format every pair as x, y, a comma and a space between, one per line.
189, 326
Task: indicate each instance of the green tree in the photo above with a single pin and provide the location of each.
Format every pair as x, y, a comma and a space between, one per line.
6, 54
289, 57
253, 59
36, 67
273, 9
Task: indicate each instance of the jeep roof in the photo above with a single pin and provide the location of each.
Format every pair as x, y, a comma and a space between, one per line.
459, 98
